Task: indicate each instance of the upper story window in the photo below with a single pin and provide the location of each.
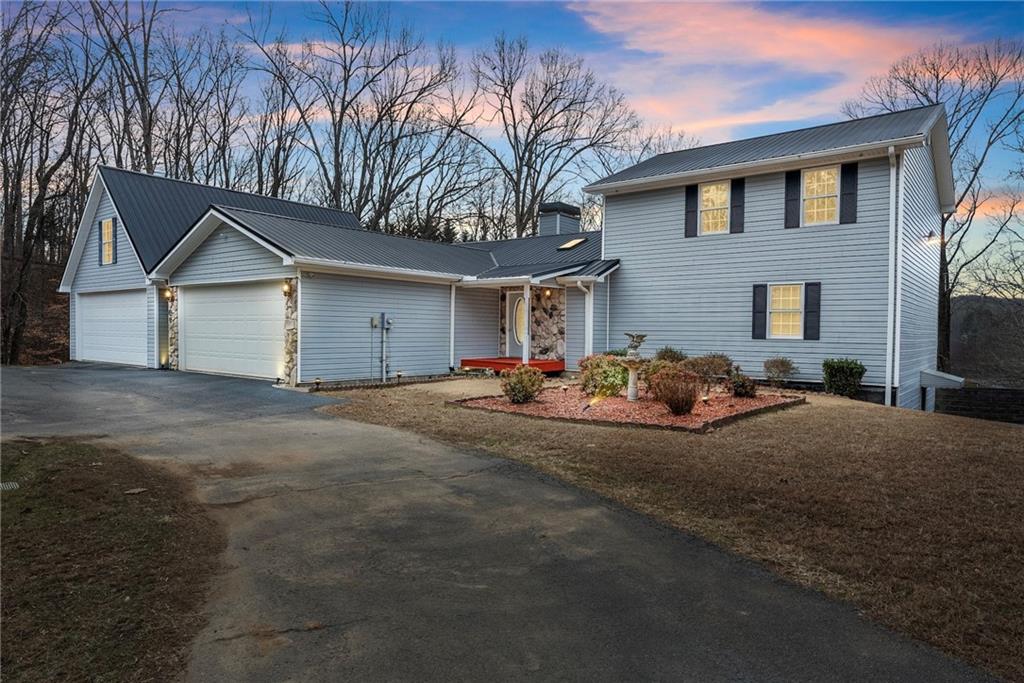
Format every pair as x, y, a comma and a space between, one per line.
785, 311
714, 208
107, 240
820, 201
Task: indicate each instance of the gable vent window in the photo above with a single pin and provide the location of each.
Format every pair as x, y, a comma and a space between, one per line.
820, 196
107, 242
573, 243
714, 208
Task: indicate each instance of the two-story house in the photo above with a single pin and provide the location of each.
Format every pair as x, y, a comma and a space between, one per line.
810, 244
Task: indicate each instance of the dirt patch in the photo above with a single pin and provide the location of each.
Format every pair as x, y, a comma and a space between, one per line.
106, 562
916, 518
570, 403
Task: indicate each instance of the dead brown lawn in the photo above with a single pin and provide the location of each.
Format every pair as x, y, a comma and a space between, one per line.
99, 584
918, 519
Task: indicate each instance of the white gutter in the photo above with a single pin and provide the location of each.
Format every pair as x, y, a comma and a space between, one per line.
890, 322
763, 166
901, 224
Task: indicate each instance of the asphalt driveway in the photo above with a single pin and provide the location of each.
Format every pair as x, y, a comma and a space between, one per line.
367, 553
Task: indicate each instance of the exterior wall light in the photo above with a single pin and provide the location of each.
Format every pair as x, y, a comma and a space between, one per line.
168, 293
286, 288
547, 292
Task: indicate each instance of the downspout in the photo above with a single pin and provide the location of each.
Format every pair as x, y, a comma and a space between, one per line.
588, 318
890, 322
528, 336
900, 231
451, 331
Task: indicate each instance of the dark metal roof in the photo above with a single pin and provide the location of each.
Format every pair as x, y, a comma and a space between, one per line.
543, 249
598, 268
880, 128
308, 239
486, 260
157, 211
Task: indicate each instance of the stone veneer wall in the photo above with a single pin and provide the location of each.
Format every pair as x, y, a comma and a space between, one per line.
291, 334
547, 322
172, 330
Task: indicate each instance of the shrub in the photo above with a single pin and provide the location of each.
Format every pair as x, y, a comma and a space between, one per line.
742, 386
677, 388
651, 368
616, 352
602, 374
669, 354
842, 376
710, 368
779, 370
522, 383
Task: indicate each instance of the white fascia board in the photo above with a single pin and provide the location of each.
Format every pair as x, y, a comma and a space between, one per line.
351, 268
197, 234
795, 161
82, 234
943, 165
495, 282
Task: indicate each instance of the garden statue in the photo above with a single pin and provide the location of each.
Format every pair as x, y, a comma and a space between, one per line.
632, 362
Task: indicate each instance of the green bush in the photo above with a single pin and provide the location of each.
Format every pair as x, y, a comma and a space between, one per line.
779, 370
711, 368
670, 354
742, 386
677, 388
602, 374
522, 383
651, 368
842, 376
616, 352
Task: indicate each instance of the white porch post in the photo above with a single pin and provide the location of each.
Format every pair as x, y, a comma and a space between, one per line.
451, 329
529, 315
588, 322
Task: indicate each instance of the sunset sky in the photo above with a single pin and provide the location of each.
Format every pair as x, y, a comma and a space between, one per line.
719, 71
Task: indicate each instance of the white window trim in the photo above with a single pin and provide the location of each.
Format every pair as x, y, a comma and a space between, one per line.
838, 195
104, 243
803, 307
727, 207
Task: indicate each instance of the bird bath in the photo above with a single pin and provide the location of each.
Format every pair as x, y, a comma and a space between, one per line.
632, 362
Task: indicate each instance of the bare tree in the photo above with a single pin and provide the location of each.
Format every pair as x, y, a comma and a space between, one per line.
51, 94
982, 88
273, 140
539, 117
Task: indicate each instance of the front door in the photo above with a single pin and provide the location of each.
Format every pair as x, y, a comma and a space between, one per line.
515, 325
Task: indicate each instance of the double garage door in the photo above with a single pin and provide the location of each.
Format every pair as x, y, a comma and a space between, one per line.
232, 329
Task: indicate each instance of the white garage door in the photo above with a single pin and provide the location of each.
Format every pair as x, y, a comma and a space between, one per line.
232, 329
111, 327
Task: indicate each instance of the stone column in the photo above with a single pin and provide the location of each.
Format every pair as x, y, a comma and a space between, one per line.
172, 330
291, 333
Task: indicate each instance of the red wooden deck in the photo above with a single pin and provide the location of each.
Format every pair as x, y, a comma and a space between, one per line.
507, 362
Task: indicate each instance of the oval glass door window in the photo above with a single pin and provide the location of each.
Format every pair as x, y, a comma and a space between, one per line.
519, 316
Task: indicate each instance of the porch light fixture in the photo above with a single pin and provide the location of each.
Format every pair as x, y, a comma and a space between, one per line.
286, 288
168, 294
547, 292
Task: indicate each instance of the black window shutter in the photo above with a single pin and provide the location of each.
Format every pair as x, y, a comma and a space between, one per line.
736, 194
691, 211
113, 240
99, 241
760, 325
792, 199
848, 193
812, 310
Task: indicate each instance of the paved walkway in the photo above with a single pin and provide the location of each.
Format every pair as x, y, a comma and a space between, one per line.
366, 553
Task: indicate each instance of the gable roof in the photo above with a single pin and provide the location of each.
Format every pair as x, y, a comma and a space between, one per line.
309, 243
158, 211
909, 127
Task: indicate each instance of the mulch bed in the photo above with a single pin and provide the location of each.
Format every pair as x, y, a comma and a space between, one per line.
571, 404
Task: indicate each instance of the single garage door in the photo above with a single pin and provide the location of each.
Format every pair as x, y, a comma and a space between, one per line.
232, 329
111, 327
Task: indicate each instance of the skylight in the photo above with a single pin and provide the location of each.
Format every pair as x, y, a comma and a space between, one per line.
573, 243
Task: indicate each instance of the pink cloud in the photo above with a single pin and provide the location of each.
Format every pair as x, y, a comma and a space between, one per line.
695, 63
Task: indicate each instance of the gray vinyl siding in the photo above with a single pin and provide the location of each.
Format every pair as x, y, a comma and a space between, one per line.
696, 293
162, 348
229, 256
90, 276
919, 296
575, 321
476, 323
336, 341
